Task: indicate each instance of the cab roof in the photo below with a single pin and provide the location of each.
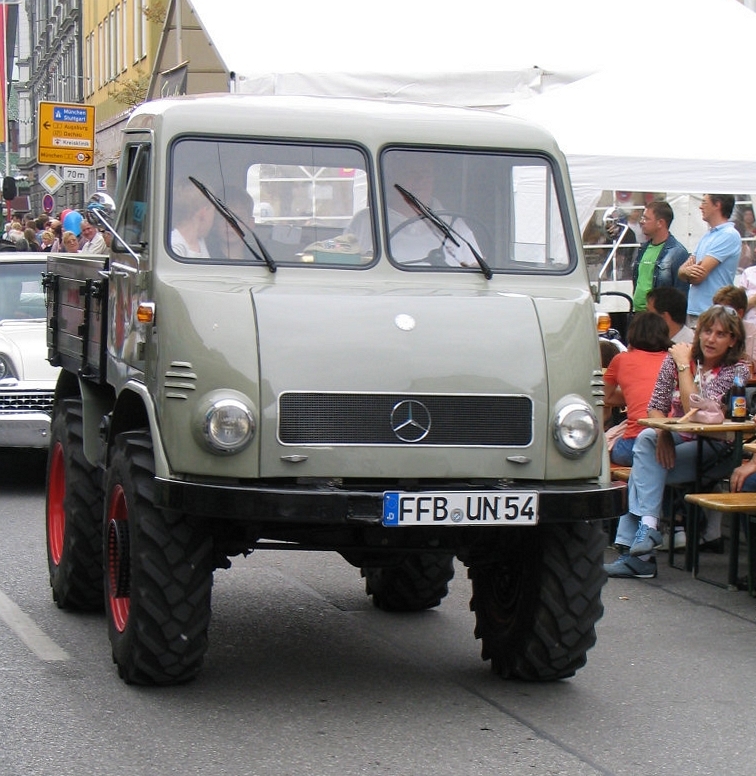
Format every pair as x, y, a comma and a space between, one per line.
372, 122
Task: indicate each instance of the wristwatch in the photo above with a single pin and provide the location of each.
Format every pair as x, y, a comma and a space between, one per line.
681, 368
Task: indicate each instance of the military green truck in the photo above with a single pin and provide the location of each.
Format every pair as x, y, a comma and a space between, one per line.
328, 324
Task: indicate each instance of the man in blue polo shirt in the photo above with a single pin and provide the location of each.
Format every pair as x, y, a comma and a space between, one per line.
716, 258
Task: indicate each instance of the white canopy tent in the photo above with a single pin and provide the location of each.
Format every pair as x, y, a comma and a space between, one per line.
478, 54
648, 95
691, 130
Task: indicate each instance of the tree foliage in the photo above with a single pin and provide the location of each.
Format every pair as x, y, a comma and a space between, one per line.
130, 91
156, 11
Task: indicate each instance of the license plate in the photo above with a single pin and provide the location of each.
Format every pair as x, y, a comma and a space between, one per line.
460, 508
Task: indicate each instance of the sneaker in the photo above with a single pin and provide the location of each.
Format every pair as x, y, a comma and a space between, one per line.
628, 566
622, 549
679, 543
646, 540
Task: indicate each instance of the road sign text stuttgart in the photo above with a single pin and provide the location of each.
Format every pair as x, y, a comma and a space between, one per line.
66, 134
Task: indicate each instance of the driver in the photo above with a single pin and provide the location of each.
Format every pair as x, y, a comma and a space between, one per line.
411, 238
193, 218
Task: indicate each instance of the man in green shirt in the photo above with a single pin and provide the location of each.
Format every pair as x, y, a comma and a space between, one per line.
660, 257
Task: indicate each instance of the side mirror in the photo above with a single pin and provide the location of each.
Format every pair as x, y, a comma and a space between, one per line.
100, 216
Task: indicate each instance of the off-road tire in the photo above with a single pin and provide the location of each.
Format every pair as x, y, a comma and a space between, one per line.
537, 598
418, 582
73, 515
158, 574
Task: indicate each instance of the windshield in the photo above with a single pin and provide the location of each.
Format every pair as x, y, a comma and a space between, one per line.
450, 209
308, 204
289, 203
21, 293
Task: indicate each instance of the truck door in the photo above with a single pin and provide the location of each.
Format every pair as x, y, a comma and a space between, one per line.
129, 262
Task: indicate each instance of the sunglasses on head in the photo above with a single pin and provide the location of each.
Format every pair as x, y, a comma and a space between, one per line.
729, 310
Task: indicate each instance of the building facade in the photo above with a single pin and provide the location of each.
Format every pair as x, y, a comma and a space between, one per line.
119, 41
49, 67
77, 51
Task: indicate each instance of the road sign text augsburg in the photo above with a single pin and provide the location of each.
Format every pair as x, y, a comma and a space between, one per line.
65, 134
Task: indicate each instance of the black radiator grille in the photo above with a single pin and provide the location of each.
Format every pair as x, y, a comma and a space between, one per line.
26, 401
391, 419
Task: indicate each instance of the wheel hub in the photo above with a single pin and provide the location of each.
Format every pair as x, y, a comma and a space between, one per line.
118, 559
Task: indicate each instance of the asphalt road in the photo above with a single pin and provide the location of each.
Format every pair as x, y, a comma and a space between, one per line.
304, 676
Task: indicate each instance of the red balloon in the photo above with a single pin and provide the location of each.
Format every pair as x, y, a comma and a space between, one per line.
65, 213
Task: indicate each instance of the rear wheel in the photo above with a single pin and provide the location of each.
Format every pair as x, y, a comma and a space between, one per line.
418, 582
73, 515
158, 574
537, 598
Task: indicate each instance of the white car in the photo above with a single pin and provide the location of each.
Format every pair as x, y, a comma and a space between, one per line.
27, 380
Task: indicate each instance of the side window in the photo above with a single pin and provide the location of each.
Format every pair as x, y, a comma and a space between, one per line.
21, 294
134, 216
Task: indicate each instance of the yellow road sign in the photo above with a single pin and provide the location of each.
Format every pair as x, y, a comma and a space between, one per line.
66, 134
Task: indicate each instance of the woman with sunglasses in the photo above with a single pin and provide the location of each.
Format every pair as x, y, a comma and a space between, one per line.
708, 367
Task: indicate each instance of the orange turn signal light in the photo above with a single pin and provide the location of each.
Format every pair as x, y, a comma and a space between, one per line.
603, 322
145, 312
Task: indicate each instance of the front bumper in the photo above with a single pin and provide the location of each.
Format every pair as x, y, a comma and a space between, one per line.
25, 412
24, 429
558, 503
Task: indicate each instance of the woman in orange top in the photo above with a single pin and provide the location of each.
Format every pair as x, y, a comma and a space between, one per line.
630, 378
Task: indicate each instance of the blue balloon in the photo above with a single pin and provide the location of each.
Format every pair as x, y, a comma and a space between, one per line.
72, 223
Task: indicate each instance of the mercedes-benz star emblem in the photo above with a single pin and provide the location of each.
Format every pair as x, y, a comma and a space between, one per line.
404, 322
410, 420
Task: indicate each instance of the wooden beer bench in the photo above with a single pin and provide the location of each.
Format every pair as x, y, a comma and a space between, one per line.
735, 505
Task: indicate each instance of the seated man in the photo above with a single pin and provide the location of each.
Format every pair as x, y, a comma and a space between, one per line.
193, 218
413, 238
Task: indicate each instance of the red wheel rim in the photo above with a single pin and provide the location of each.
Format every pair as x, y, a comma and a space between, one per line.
119, 571
56, 514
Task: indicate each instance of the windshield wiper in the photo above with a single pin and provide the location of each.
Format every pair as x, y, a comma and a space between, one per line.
449, 232
233, 221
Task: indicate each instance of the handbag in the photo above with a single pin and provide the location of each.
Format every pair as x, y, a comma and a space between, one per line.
703, 410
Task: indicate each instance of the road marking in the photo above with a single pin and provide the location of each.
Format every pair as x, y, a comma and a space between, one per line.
26, 629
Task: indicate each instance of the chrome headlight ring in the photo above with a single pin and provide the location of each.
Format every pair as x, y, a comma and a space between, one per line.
226, 425
576, 427
6, 367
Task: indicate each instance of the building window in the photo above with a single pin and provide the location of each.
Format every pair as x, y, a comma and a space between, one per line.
124, 35
101, 52
112, 46
140, 31
89, 59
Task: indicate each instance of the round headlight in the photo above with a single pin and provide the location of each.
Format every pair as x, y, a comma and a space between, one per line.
228, 426
5, 368
576, 429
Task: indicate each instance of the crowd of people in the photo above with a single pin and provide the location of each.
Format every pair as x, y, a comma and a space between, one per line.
70, 232
687, 343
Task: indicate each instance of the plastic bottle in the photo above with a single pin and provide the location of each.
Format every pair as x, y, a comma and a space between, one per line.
738, 404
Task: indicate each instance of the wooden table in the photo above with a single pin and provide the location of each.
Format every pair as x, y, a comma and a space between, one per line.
701, 430
739, 428
688, 427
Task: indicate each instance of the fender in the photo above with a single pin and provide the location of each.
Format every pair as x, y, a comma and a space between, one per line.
133, 408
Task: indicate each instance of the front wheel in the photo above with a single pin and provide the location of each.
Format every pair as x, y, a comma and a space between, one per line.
158, 574
537, 599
